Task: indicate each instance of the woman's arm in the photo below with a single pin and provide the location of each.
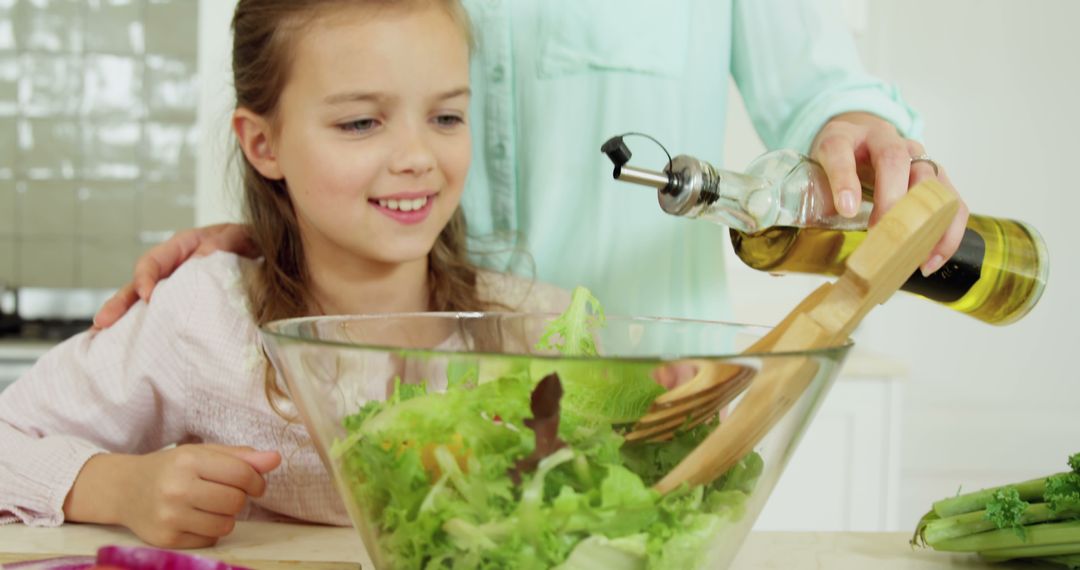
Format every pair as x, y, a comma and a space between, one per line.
796, 66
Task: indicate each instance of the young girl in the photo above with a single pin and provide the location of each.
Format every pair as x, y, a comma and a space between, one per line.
352, 120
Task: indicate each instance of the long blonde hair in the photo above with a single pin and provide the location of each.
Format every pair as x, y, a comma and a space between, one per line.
263, 36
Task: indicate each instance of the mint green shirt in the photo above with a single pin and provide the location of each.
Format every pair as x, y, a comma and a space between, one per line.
553, 79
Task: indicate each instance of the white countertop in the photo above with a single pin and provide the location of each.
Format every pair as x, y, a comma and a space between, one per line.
268, 545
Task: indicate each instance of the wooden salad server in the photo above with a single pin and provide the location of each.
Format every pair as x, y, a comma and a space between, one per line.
893, 249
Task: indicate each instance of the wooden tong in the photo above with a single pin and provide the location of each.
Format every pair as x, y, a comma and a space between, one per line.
893, 249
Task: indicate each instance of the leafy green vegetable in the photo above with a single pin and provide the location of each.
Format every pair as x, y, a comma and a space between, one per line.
1004, 544
1006, 510
933, 530
594, 395
1063, 491
1031, 490
1038, 519
574, 327
500, 472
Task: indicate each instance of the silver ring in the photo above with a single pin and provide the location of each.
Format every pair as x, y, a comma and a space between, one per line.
925, 158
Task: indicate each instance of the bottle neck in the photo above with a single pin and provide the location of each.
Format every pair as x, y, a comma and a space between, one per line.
780, 188
733, 199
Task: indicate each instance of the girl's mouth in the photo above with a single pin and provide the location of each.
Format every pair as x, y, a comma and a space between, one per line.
405, 210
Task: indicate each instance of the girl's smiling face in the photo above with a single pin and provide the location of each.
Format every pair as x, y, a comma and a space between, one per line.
370, 133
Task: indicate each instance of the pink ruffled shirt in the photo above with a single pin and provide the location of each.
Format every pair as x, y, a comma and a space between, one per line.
185, 368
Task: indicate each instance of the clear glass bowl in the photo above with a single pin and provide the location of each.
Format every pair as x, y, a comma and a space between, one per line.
424, 421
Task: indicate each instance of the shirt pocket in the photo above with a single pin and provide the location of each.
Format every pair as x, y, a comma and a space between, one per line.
635, 36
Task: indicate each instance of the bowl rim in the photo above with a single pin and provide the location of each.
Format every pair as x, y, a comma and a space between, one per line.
838, 350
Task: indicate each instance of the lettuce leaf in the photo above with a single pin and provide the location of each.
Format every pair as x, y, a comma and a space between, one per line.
595, 394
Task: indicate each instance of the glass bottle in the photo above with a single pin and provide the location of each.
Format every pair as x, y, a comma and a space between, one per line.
782, 219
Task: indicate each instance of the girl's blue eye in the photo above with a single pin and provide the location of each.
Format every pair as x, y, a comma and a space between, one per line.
449, 120
359, 125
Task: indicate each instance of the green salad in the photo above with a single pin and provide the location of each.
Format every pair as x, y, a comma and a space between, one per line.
521, 465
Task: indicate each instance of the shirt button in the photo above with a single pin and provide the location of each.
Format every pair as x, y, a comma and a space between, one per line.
498, 73
498, 150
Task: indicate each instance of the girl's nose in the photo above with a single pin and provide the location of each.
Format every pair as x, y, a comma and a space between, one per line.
413, 155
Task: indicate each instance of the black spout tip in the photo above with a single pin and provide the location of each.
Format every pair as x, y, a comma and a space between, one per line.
617, 151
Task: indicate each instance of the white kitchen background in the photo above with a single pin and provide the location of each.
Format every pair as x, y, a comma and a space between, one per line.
98, 102
934, 401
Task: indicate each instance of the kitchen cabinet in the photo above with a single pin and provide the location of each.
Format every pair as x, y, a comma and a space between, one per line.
844, 475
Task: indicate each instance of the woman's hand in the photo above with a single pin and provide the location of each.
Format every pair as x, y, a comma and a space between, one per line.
854, 144
184, 497
161, 260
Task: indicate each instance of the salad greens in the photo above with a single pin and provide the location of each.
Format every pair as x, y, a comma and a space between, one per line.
1039, 518
527, 468
596, 395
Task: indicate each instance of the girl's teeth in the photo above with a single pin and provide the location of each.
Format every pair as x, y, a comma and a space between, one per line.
404, 205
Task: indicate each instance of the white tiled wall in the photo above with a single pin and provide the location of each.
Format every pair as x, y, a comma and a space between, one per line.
98, 101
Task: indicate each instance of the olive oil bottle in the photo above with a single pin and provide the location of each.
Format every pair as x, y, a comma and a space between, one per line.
782, 219
996, 276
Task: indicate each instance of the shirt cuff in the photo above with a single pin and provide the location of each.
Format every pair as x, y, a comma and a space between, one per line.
874, 98
38, 485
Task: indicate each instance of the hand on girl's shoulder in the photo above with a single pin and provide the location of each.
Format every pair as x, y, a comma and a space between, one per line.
210, 284
220, 270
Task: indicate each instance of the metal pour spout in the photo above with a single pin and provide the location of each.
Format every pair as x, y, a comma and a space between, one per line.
619, 154
645, 177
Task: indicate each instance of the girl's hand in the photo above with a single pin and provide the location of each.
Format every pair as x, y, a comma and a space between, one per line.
851, 144
185, 497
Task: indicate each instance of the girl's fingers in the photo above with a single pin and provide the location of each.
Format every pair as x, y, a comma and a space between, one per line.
262, 461
226, 469
183, 541
218, 499
206, 525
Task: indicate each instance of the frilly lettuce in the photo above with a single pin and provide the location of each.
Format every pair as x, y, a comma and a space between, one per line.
595, 395
432, 470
